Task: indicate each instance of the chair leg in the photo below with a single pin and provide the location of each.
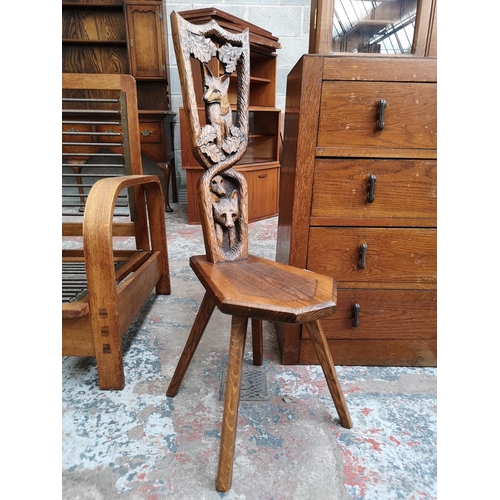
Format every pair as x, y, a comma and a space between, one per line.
325, 358
109, 359
257, 343
200, 323
231, 402
165, 168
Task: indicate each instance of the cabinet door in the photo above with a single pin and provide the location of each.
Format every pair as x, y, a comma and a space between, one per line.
146, 38
262, 192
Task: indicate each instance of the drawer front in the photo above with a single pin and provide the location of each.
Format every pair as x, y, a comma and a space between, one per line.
73, 138
346, 188
153, 140
374, 352
105, 129
350, 110
151, 132
382, 315
392, 255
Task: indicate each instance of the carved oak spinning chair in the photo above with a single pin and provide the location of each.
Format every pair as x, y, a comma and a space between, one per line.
239, 284
106, 200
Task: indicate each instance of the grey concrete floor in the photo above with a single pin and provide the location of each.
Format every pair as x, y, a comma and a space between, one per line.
139, 444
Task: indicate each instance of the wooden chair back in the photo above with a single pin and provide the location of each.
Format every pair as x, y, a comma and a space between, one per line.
222, 142
100, 139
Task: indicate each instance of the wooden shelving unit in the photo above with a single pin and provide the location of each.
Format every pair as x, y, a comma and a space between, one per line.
127, 37
261, 163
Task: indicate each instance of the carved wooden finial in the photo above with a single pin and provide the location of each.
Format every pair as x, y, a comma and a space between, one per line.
222, 142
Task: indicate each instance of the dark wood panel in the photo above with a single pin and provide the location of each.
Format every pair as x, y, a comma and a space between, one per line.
153, 95
100, 59
105, 24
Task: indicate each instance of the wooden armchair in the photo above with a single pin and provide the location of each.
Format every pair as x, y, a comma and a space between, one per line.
106, 201
239, 284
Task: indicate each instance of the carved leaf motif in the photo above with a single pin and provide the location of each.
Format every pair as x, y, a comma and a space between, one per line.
231, 144
229, 55
213, 152
235, 131
202, 48
207, 135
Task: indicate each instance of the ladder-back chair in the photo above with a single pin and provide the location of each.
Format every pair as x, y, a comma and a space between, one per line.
114, 240
241, 285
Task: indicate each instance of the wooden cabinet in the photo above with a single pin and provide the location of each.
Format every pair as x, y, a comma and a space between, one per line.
261, 163
358, 198
122, 36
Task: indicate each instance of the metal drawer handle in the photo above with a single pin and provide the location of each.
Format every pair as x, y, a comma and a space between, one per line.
371, 188
355, 315
146, 132
362, 255
382, 104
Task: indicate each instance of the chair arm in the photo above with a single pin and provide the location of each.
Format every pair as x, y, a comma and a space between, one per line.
98, 231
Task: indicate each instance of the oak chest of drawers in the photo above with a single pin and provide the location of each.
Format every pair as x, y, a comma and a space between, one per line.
358, 198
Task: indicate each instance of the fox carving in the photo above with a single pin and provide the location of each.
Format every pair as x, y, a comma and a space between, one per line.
226, 213
217, 104
217, 185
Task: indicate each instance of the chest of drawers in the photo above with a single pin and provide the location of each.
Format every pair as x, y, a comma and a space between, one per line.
358, 196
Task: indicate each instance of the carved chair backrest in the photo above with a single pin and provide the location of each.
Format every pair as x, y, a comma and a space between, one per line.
222, 142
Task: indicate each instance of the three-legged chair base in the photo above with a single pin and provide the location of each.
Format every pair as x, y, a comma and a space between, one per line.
233, 379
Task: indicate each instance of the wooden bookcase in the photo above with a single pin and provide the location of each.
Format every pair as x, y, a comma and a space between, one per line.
129, 37
261, 164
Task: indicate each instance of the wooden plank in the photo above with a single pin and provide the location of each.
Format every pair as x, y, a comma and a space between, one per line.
132, 293
77, 339
381, 68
